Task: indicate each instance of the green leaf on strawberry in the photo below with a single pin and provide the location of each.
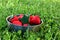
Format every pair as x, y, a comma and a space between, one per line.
24, 19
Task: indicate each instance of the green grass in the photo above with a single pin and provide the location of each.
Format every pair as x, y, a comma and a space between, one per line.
48, 10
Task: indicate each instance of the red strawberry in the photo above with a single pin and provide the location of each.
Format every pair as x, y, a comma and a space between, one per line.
25, 25
19, 23
20, 16
15, 18
34, 20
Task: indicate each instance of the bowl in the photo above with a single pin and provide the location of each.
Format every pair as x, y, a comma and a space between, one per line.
14, 27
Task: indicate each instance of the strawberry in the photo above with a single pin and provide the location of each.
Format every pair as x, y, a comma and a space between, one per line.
15, 18
38, 21
20, 16
34, 20
19, 23
25, 25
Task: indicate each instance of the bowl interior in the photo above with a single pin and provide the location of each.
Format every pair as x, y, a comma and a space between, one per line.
10, 17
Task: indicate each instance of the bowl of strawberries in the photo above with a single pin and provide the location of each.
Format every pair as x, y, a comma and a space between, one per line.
23, 22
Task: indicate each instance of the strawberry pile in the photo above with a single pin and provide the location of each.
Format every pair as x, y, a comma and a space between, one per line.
24, 20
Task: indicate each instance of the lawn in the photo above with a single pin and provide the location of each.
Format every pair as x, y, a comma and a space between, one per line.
48, 10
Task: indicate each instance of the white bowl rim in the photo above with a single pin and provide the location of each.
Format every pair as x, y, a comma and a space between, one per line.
18, 25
